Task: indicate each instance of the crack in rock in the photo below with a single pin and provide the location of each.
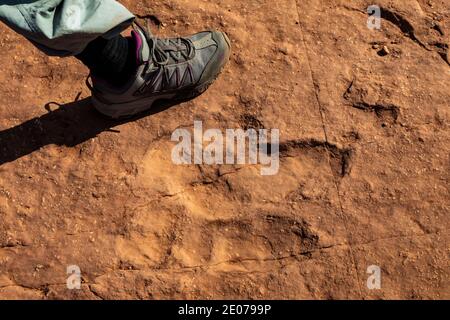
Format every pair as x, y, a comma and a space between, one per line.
357, 96
403, 24
409, 31
379, 109
341, 158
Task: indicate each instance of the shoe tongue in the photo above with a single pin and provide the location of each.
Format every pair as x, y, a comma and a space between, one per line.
142, 48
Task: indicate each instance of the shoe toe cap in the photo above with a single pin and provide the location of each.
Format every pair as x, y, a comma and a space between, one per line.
220, 57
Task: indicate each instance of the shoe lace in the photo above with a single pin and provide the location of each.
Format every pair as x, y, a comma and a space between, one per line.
161, 50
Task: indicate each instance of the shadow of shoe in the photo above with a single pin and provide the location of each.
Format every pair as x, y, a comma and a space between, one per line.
69, 125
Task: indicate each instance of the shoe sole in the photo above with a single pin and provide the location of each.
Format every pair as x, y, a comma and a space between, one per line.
130, 109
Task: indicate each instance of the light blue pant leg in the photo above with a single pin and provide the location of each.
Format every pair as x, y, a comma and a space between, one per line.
65, 27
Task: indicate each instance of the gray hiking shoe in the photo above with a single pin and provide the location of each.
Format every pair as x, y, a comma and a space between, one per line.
173, 69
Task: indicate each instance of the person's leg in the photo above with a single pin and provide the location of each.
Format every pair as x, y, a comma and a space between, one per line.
87, 29
65, 27
128, 74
